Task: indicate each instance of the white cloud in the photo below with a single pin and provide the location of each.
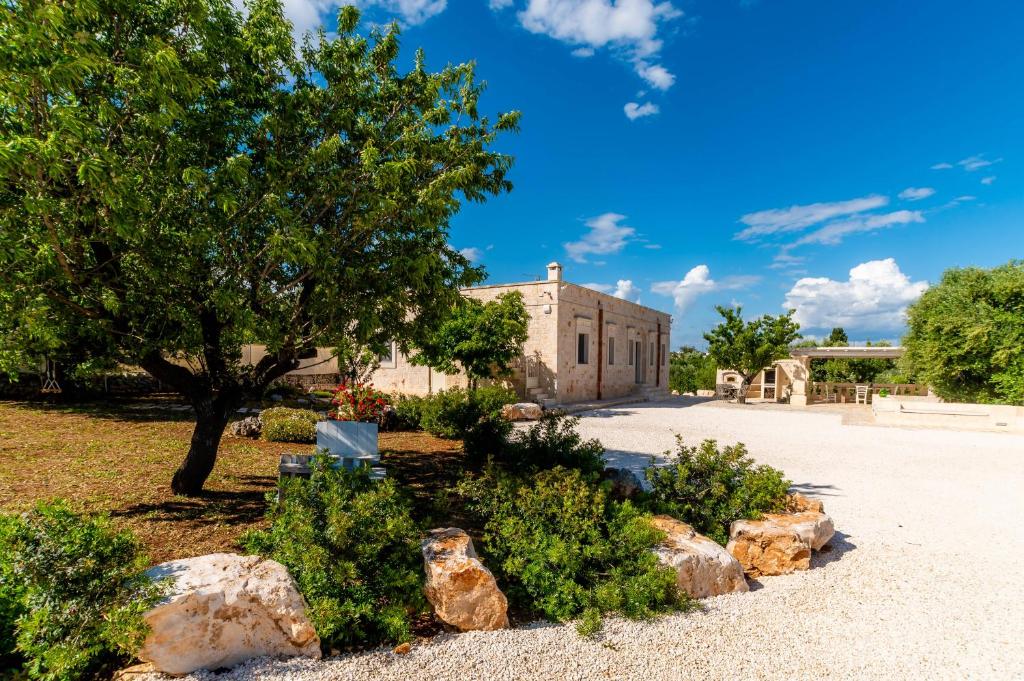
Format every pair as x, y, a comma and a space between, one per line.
795, 218
472, 253
628, 26
976, 162
635, 111
606, 236
916, 193
579, 51
623, 288
942, 166
698, 282
988, 180
874, 298
653, 247
308, 15
833, 233
657, 76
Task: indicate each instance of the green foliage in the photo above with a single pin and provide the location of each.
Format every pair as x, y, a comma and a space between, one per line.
352, 548
690, 370
837, 337
201, 181
480, 338
12, 597
709, 487
451, 413
83, 592
862, 370
966, 335
561, 549
552, 441
749, 347
284, 424
408, 410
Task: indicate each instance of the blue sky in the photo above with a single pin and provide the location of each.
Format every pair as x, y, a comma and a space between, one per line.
835, 157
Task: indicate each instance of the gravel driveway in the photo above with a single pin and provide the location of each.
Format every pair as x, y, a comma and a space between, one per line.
921, 582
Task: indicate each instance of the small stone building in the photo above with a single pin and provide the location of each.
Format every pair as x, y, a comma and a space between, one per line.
583, 345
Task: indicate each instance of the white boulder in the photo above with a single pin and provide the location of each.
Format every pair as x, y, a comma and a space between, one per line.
522, 411
223, 609
703, 568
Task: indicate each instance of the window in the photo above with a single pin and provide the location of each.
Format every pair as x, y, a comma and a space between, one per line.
769, 376
582, 348
611, 351
387, 358
631, 350
651, 355
664, 355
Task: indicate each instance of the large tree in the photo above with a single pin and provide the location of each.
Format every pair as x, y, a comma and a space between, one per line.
481, 339
966, 335
178, 178
749, 347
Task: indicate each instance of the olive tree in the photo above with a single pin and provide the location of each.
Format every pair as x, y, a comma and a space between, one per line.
178, 178
749, 347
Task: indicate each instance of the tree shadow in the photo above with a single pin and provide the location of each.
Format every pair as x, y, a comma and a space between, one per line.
213, 507
814, 490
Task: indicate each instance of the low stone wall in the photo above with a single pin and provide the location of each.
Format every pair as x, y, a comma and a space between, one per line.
908, 411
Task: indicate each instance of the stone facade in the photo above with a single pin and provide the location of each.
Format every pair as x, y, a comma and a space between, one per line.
583, 345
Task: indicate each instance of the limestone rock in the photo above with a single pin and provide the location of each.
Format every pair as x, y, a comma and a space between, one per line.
703, 568
250, 426
779, 543
462, 591
625, 483
798, 503
522, 411
223, 609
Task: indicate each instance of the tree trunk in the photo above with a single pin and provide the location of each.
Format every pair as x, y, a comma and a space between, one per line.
212, 416
741, 395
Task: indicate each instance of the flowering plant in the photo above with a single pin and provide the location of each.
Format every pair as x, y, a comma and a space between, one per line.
357, 402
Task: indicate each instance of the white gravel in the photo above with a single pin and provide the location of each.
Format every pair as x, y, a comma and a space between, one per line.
921, 582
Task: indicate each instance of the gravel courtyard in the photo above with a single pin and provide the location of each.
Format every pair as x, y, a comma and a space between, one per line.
921, 582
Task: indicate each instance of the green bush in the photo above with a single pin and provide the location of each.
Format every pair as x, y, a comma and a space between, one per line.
408, 411
352, 548
83, 592
12, 598
451, 413
284, 424
552, 441
561, 549
709, 487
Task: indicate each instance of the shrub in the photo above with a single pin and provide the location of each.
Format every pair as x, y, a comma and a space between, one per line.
560, 548
357, 402
451, 413
12, 597
352, 548
83, 589
284, 424
709, 487
408, 411
552, 441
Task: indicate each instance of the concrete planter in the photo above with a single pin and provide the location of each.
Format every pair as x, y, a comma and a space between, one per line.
347, 439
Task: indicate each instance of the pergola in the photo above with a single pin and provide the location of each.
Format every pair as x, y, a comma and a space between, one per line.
799, 367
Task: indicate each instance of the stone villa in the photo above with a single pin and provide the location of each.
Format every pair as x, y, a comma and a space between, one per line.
583, 345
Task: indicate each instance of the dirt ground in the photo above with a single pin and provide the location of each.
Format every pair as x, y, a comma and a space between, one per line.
119, 458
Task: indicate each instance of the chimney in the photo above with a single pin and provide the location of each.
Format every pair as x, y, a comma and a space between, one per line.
554, 271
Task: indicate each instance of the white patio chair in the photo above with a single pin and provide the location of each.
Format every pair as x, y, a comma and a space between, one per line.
862, 394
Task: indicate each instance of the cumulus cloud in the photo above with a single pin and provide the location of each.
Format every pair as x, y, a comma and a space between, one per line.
635, 111
623, 288
988, 180
472, 253
606, 236
698, 282
874, 298
308, 15
916, 193
796, 218
631, 27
